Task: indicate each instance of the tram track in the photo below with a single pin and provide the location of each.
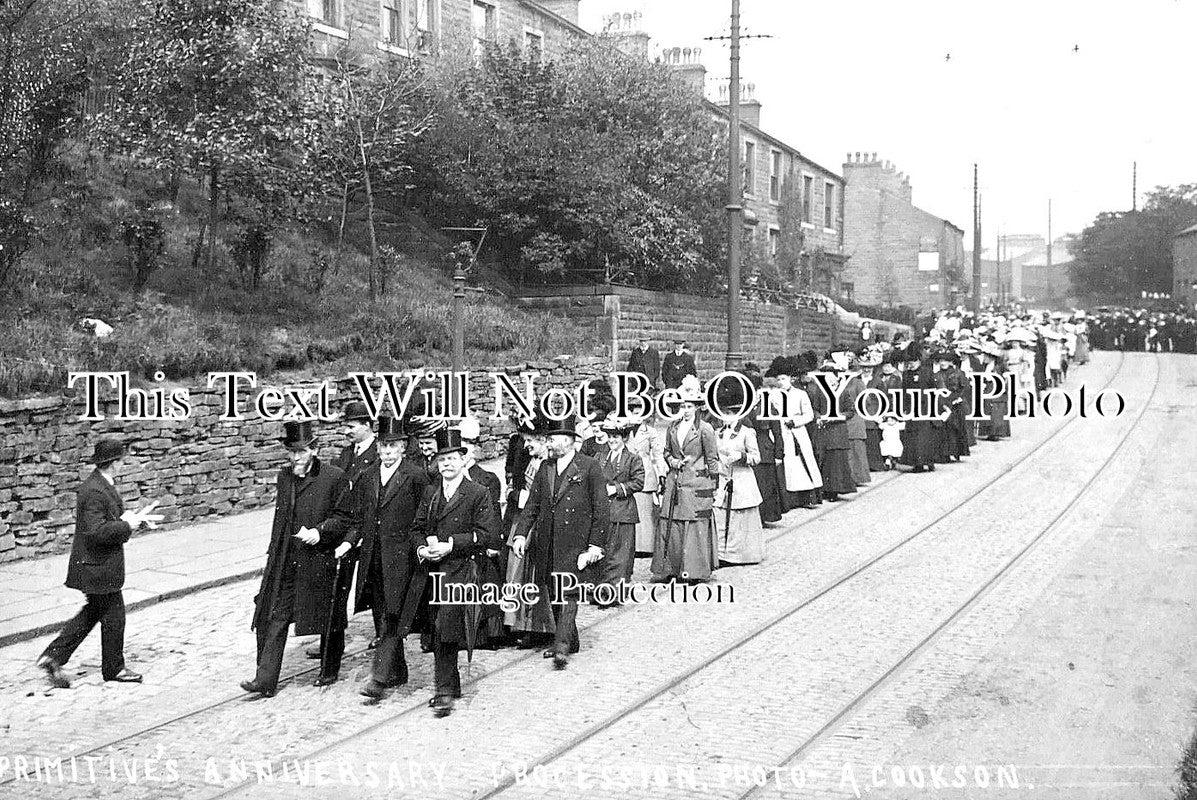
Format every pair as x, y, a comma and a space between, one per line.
657, 691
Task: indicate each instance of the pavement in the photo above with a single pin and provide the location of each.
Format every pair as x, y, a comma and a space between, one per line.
162, 565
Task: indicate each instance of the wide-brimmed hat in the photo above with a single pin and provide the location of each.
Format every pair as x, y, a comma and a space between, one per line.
992, 349
448, 440
107, 450
621, 426
424, 428
391, 429
356, 412
781, 365
871, 357
298, 435
690, 391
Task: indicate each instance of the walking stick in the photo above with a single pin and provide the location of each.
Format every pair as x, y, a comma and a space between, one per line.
727, 515
332, 616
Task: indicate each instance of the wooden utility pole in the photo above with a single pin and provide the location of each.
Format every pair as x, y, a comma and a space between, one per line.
976, 243
1135, 186
735, 198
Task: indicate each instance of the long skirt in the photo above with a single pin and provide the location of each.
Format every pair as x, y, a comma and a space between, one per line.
646, 528
686, 549
619, 556
873, 449
837, 472
918, 444
996, 425
743, 541
766, 481
805, 498
800, 464
858, 460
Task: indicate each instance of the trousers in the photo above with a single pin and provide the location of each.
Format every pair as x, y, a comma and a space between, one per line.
565, 638
109, 611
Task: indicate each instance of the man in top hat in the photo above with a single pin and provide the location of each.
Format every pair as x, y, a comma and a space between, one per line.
564, 527
455, 525
677, 365
385, 498
359, 455
646, 360
97, 568
312, 514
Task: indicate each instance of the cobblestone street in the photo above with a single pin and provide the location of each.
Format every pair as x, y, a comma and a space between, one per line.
911, 627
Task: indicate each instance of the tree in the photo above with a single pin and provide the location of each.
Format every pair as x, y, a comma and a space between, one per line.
1124, 253
371, 103
223, 91
42, 75
598, 164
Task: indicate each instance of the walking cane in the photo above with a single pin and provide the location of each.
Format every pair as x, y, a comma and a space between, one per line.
727, 515
332, 616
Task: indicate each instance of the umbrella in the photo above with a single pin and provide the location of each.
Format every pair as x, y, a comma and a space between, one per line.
338, 601
472, 612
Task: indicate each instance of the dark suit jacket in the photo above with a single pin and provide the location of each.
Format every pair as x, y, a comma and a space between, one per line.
384, 519
97, 563
646, 362
562, 523
627, 475
319, 500
471, 521
676, 367
353, 465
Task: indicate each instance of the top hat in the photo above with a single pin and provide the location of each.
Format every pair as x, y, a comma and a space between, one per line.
108, 449
298, 435
552, 427
356, 412
391, 429
448, 440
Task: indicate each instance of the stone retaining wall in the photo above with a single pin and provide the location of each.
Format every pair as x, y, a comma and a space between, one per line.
197, 468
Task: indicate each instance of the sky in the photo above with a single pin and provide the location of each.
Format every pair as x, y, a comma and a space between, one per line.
1040, 119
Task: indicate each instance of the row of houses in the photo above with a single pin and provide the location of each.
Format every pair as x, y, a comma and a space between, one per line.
861, 236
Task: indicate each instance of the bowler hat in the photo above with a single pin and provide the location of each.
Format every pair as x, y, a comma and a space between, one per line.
298, 435
448, 440
108, 449
391, 429
356, 412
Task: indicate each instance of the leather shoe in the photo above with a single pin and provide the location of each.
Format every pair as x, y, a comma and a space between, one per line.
53, 672
313, 651
548, 653
560, 661
373, 689
125, 676
442, 705
255, 688
325, 680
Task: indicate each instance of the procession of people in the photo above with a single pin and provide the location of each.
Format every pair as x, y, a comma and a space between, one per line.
406, 524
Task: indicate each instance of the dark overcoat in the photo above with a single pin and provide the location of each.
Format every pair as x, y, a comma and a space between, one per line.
487, 480
471, 521
676, 367
97, 563
320, 500
626, 474
384, 518
647, 363
563, 523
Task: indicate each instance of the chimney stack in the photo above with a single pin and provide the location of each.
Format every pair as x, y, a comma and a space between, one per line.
627, 30
750, 107
686, 63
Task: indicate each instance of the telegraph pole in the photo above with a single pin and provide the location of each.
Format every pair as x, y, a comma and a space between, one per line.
976, 243
1135, 186
735, 192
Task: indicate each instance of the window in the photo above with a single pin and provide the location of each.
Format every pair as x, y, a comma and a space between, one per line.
828, 205
808, 199
533, 45
485, 31
392, 23
749, 168
425, 25
774, 241
775, 176
324, 10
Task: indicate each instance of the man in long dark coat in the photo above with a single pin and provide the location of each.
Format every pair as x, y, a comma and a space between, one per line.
312, 514
645, 360
564, 528
677, 365
385, 498
97, 568
455, 525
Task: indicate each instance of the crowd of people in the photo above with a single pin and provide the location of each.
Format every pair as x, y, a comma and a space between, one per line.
1143, 330
406, 524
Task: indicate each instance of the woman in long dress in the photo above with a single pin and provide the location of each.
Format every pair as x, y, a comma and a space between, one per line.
648, 443
686, 546
833, 445
996, 424
738, 498
623, 472
918, 437
768, 440
800, 471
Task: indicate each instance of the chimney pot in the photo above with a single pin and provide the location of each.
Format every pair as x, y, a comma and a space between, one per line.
874, 157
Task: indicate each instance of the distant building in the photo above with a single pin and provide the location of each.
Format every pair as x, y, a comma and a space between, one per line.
1184, 266
898, 254
1025, 272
